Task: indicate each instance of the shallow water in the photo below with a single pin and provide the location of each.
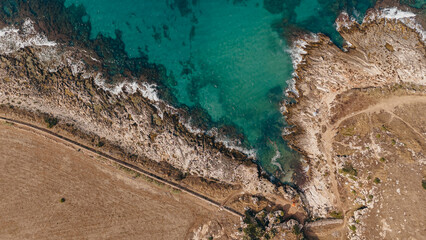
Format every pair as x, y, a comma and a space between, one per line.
226, 57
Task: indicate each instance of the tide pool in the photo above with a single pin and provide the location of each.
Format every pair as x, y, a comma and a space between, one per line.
226, 57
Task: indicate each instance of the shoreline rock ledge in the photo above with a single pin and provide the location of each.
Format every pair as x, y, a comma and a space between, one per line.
41, 80
382, 58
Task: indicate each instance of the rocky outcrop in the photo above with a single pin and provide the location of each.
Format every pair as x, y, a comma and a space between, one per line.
386, 49
42, 76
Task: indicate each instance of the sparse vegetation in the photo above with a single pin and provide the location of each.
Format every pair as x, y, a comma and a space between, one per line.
338, 215
349, 169
126, 169
296, 230
148, 179
51, 121
349, 131
9, 123
62, 200
382, 159
256, 226
424, 184
176, 191
393, 142
376, 180
352, 227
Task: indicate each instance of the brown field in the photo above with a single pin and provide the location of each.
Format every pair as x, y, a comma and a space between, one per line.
102, 201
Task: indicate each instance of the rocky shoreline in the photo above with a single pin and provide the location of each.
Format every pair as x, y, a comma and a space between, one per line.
58, 84
384, 58
65, 87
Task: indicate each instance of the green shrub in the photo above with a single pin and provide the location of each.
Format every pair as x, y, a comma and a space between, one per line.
176, 191
9, 123
382, 159
349, 169
377, 180
296, 230
62, 200
352, 227
424, 184
349, 131
255, 228
338, 215
51, 121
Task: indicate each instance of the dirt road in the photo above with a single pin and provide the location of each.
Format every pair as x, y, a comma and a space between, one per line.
100, 201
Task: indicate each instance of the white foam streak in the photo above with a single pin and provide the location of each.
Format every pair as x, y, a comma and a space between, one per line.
275, 158
345, 21
13, 39
147, 90
408, 18
234, 144
251, 153
296, 51
395, 13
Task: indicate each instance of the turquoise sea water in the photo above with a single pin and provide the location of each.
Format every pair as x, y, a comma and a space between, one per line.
227, 57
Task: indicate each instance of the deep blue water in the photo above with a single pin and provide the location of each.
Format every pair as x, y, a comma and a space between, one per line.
227, 57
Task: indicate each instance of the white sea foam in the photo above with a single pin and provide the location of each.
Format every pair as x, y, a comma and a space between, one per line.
188, 125
147, 90
13, 39
395, 14
391, 14
345, 21
234, 144
275, 158
408, 18
296, 51
251, 153
283, 107
286, 131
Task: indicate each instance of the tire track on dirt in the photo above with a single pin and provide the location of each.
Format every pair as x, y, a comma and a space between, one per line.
126, 164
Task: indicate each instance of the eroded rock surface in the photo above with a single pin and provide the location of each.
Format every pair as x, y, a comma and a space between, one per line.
39, 76
359, 121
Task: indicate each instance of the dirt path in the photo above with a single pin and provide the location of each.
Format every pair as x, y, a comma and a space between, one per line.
388, 105
124, 164
100, 200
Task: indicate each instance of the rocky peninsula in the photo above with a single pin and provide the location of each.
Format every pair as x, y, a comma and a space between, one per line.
358, 118
359, 121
